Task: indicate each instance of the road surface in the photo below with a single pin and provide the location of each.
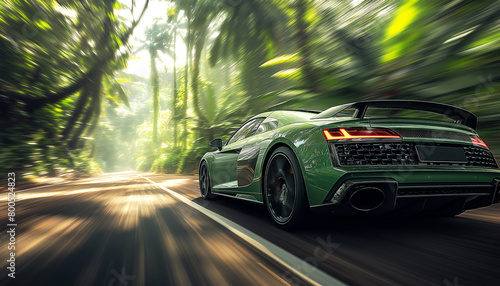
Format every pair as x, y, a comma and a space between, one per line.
123, 229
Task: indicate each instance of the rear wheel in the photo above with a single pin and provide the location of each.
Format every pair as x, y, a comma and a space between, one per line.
284, 191
204, 180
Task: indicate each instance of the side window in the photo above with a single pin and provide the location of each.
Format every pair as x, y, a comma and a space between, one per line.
267, 125
246, 130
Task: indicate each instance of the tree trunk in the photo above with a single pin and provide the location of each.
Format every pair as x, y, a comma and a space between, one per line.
92, 112
174, 93
198, 48
155, 86
94, 86
75, 138
302, 36
186, 81
82, 101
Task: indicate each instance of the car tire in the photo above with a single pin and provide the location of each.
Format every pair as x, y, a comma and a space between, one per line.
284, 190
204, 181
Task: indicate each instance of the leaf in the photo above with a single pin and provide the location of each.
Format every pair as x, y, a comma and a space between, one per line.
288, 58
122, 95
215, 51
289, 73
43, 25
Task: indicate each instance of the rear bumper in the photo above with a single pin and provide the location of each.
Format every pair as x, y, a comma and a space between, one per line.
419, 192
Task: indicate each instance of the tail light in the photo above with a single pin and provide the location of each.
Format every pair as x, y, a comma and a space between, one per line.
359, 133
478, 141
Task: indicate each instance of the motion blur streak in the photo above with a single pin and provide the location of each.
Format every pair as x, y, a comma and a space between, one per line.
86, 232
378, 251
132, 228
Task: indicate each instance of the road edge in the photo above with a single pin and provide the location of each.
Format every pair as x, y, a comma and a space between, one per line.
270, 249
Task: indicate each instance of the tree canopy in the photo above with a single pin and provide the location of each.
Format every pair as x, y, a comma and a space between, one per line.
64, 95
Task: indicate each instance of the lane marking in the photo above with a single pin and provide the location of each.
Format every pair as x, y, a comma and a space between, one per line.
288, 260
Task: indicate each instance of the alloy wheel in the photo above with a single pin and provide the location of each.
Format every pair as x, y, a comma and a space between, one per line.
281, 187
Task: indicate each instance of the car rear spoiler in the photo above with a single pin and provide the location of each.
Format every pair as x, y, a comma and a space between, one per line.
459, 115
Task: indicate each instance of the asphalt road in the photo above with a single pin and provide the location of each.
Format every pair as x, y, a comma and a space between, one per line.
120, 229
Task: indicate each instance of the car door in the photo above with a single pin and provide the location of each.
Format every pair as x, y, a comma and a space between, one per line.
249, 154
224, 168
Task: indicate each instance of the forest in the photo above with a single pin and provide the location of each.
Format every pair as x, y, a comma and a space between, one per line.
70, 103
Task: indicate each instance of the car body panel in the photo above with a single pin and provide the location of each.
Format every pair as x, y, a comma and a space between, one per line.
238, 169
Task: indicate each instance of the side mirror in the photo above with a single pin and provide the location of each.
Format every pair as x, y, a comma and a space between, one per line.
216, 143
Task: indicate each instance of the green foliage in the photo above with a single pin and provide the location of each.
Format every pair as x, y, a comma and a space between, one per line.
58, 73
167, 162
190, 159
56, 58
37, 155
84, 164
323, 54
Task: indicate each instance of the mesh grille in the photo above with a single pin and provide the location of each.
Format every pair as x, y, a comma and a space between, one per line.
477, 156
379, 154
419, 133
376, 154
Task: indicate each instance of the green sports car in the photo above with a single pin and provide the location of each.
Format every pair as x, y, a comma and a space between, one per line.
364, 158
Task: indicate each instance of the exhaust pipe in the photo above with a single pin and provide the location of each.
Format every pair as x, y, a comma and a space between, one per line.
367, 199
